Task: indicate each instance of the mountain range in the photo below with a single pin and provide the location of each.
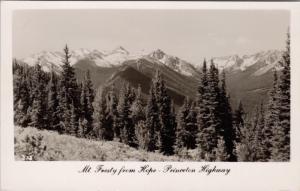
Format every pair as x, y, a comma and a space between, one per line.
249, 77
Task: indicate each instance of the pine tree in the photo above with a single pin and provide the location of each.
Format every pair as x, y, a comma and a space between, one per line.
167, 132
102, 121
157, 87
259, 138
208, 121
187, 127
138, 119
113, 111
87, 99
21, 117
68, 79
127, 131
52, 106
83, 100
272, 118
192, 126
226, 121
281, 131
182, 134
152, 121
213, 104
21, 93
38, 111
137, 109
239, 121
73, 121
69, 90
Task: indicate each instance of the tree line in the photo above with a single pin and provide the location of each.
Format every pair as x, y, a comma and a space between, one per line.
207, 124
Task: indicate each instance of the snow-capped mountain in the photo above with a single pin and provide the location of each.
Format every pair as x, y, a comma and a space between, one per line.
103, 59
261, 62
174, 62
110, 58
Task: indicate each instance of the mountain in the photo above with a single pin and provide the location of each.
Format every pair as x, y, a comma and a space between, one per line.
249, 77
261, 62
139, 72
108, 59
177, 64
111, 58
142, 71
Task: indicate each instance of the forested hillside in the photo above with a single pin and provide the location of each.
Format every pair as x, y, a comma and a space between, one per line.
206, 123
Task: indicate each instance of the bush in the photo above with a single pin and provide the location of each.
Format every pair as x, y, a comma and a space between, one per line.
33, 148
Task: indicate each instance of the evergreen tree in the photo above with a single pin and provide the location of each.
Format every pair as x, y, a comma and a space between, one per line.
137, 109
124, 117
22, 103
39, 110
113, 111
208, 123
157, 87
167, 132
226, 121
138, 119
87, 99
281, 131
238, 121
182, 134
68, 79
83, 100
52, 106
272, 118
73, 121
214, 122
69, 91
152, 121
102, 120
261, 149
192, 127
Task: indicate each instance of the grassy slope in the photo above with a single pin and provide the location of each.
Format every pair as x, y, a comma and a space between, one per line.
65, 147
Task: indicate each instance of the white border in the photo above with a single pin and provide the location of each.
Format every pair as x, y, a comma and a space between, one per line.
63, 175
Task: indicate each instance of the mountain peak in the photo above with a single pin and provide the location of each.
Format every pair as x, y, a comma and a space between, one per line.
158, 54
265, 60
120, 49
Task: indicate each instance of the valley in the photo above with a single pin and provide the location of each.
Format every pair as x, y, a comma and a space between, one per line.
249, 77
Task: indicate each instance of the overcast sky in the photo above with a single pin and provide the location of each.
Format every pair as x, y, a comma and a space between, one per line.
189, 34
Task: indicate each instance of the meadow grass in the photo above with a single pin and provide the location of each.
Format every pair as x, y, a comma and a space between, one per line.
61, 147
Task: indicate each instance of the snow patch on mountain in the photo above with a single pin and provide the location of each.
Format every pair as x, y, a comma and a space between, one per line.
174, 63
262, 62
101, 58
226, 62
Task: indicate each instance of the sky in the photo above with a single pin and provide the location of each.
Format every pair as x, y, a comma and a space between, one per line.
188, 34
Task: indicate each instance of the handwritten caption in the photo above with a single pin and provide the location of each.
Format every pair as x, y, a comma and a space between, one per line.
150, 170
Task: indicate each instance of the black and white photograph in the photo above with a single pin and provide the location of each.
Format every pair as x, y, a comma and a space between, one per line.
151, 85
149, 95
